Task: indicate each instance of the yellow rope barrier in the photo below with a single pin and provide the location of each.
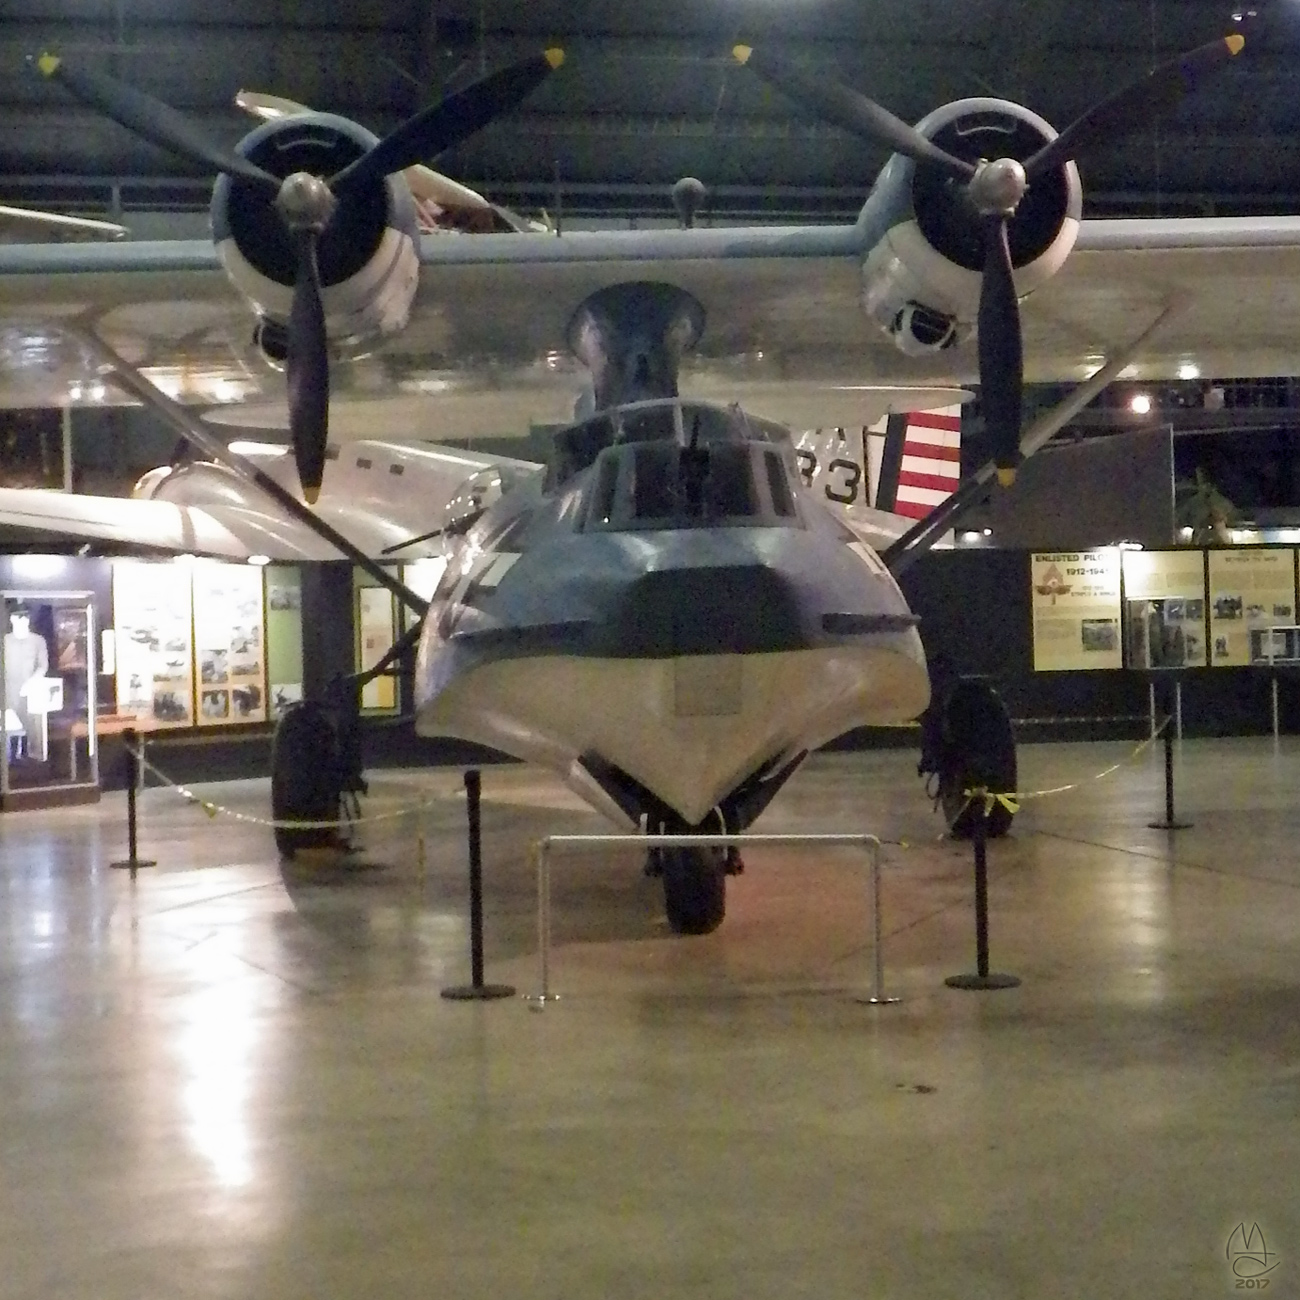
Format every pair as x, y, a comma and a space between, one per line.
1012, 799
1009, 799
214, 809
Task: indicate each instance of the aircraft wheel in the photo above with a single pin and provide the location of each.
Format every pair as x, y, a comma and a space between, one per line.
979, 750
695, 889
305, 778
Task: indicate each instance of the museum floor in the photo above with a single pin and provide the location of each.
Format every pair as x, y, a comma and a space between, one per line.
228, 1080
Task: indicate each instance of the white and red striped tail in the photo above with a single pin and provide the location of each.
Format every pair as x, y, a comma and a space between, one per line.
931, 465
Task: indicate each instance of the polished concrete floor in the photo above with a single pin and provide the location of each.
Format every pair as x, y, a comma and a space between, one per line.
228, 1079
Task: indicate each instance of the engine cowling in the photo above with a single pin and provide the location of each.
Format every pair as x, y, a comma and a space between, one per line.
921, 279
368, 254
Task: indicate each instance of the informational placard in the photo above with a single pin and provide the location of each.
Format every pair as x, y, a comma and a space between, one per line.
154, 661
1252, 590
1076, 605
1164, 593
376, 632
229, 642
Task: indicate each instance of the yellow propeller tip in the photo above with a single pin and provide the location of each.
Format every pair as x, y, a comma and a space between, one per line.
48, 64
1235, 43
741, 53
1006, 475
311, 495
554, 56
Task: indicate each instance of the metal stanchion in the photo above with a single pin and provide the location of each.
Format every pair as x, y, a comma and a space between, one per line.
1170, 822
877, 997
537, 1001
1277, 730
132, 862
983, 978
476, 990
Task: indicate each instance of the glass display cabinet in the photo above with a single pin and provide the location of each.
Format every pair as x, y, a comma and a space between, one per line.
47, 663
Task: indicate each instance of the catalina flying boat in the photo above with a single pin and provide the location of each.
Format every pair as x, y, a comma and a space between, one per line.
666, 615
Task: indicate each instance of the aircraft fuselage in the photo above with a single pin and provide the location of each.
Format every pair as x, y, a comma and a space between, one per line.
668, 621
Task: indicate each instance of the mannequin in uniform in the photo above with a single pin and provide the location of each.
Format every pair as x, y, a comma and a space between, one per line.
26, 657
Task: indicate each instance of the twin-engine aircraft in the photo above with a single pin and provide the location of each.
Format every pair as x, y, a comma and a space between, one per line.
666, 616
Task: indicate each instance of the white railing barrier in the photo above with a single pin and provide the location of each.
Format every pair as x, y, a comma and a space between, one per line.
543, 847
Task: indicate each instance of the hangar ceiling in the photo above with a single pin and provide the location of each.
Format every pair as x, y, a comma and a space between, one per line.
649, 93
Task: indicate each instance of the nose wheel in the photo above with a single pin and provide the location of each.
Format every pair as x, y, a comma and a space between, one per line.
695, 887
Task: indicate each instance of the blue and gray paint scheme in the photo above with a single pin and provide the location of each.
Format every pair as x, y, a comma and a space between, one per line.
667, 619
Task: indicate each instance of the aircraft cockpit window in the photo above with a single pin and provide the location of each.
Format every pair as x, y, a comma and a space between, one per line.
654, 422
665, 485
728, 483
601, 512
654, 482
778, 485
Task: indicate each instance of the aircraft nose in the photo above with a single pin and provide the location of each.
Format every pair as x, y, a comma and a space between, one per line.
726, 609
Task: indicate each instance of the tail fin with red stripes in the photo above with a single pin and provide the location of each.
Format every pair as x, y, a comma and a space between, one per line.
920, 462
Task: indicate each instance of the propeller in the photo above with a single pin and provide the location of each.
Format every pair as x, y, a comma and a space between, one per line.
994, 189
307, 203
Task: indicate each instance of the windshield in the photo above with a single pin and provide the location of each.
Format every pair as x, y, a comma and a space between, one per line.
665, 485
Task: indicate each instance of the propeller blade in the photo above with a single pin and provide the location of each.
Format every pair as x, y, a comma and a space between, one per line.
307, 366
1136, 105
446, 123
853, 112
1001, 351
152, 119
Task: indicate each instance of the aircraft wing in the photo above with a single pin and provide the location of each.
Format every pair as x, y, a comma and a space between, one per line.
485, 350
379, 496
121, 523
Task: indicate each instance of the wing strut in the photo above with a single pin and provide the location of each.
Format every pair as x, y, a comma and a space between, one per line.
193, 431
900, 555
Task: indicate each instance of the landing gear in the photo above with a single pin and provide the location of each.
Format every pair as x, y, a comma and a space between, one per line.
695, 888
307, 778
969, 743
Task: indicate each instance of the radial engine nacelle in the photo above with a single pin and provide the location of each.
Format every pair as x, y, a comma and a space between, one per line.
921, 278
368, 254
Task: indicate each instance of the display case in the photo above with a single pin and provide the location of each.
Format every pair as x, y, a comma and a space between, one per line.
47, 663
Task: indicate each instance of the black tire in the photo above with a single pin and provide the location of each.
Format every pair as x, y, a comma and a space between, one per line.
306, 780
695, 889
979, 750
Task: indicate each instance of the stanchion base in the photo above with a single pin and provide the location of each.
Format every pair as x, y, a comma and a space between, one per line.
993, 980
538, 1001
1170, 826
478, 992
126, 864
877, 1002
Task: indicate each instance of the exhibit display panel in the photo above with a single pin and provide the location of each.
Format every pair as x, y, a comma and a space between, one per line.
1252, 592
1076, 610
1164, 606
229, 642
153, 642
47, 662
191, 643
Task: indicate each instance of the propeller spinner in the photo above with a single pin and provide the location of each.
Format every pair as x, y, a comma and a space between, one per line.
994, 189
307, 203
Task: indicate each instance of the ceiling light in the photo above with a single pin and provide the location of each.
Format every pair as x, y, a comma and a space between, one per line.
1189, 370
259, 560
1140, 404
